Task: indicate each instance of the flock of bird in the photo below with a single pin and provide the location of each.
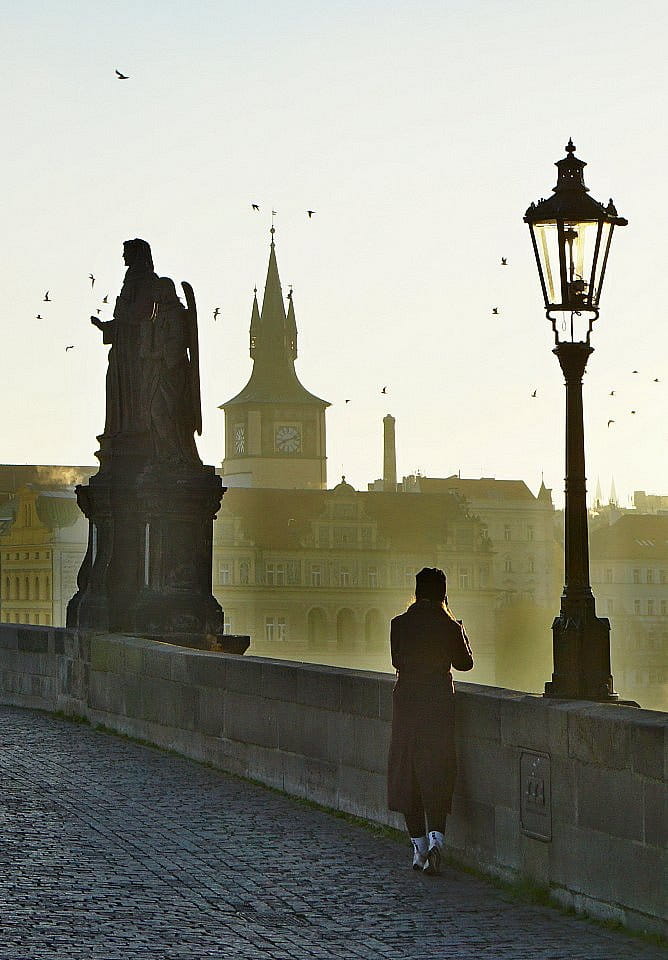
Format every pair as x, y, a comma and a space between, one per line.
216, 313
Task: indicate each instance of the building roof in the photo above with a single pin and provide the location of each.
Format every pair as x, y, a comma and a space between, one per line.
642, 537
282, 519
486, 488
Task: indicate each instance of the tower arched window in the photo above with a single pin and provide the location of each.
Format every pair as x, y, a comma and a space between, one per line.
26, 584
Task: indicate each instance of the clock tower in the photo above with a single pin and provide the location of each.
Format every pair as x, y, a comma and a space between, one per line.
274, 428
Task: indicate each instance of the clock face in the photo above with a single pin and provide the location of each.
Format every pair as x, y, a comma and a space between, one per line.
288, 438
240, 438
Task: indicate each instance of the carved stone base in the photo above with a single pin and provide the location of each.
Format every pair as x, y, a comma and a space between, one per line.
581, 649
147, 569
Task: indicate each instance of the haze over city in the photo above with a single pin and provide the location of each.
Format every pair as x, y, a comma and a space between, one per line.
418, 134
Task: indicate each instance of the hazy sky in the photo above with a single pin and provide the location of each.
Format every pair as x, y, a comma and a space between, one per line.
419, 132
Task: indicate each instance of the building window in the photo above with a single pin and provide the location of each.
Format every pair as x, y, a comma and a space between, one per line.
507, 565
464, 578
27, 588
484, 576
636, 576
48, 588
529, 532
344, 535
227, 624
224, 573
506, 531
649, 576
294, 572
372, 574
316, 575
36, 618
664, 608
636, 607
274, 574
608, 576
344, 577
366, 535
531, 565
244, 571
47, 619
662, 576
323, 536
650, 608
275, 629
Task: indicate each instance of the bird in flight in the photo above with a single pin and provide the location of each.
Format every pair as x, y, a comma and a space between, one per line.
612, 393
610, 421
633, 411
656, 380
46, 297
495, 310
534, 393
504, 261
255, 206
105, 298
310, 213
92, 280
71, 347
634, 371
347, 401
98, 311
121, 76
39, 317
216, 313
384, 390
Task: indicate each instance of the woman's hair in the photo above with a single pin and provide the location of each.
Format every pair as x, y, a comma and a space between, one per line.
430, 584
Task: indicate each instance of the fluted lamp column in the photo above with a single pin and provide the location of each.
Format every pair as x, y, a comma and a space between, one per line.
571, 235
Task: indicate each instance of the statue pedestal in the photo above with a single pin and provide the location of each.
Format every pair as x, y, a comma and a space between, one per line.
147, 569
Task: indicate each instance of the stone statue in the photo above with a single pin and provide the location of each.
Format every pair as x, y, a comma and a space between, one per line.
170, 394
133, 307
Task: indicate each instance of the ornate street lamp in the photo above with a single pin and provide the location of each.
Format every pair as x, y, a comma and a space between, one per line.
571, 235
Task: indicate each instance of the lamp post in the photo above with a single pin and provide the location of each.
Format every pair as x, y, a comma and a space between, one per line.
571, 235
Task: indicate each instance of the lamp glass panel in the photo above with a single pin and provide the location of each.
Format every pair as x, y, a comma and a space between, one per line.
606, 236
547, 243
580, 251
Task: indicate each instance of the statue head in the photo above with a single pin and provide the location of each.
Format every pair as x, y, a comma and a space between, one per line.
165, 291
137, 254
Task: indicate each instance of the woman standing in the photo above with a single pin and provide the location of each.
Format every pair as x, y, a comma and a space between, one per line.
426, 642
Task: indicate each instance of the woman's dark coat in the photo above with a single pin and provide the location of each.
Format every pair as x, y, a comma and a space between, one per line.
426, 642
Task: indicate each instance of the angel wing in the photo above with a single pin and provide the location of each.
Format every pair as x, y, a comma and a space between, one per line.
193, 348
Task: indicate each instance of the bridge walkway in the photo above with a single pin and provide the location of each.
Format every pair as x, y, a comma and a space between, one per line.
114, 850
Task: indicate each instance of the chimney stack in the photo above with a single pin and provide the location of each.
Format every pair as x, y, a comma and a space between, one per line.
389, 455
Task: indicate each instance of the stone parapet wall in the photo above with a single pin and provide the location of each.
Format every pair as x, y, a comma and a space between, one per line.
569, 794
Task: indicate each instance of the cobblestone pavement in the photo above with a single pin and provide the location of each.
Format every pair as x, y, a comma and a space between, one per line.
114, 850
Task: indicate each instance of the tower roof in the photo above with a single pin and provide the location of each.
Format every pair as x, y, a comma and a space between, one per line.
273, 347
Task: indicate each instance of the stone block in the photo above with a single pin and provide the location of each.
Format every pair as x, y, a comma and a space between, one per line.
363, 743
563, 784
610, 801
201, 669
649, 734
8, 637
169, 704
600, 733
250, 719
106, 693
310, 778
489, 772
156, 662
210, 715
305, 731
243, 674
479, 828
133, 654
535, 723
34, 639
316, 686
477, 715
360, 694
385, 688
107, 654
507, 842
655, 814
362, 793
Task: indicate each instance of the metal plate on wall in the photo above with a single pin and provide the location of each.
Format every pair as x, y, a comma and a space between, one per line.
535, 795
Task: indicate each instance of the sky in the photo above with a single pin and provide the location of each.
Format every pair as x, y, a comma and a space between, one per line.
418, 132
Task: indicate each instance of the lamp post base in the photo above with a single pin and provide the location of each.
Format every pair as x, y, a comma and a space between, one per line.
581, 648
